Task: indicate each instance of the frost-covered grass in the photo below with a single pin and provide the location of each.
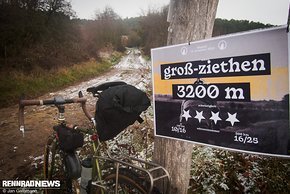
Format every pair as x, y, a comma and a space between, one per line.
220, 171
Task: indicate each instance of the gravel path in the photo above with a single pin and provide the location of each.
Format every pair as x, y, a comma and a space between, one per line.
21, 156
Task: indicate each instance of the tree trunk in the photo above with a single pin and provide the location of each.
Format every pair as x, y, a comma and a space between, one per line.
190, 20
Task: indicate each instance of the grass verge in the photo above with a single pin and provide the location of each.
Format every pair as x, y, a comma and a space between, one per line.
15, 83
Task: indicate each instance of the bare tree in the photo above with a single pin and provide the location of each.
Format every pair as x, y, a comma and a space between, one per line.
189, 20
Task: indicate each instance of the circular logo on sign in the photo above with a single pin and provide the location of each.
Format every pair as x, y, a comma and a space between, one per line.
222, 44
184, 51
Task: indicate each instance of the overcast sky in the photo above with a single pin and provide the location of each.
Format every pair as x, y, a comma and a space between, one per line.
264, 11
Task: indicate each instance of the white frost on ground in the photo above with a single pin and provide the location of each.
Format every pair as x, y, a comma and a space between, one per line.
132, 69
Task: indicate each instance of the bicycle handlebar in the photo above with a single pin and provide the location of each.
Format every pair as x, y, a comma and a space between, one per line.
56, 101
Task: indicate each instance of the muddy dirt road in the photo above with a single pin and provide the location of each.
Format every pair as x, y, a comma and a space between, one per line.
19, 155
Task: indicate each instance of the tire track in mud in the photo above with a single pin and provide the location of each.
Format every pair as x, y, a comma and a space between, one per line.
21, 156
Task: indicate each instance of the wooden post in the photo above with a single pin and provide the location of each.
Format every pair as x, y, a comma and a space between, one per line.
190, 20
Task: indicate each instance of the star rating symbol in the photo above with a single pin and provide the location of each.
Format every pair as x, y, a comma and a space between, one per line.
215, 117
232, 118
186, 114
199, 116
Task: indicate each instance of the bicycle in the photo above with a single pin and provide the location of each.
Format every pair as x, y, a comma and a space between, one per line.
99, 172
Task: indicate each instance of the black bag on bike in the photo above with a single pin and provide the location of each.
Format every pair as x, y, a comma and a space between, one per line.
117, 108
69, 139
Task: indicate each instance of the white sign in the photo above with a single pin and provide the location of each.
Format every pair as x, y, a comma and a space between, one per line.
230, 92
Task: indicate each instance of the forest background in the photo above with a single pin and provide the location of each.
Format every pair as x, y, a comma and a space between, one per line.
44, 46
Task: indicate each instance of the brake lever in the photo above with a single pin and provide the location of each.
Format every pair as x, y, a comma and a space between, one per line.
91, 118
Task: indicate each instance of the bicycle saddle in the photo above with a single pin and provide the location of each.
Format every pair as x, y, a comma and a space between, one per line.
101, 87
